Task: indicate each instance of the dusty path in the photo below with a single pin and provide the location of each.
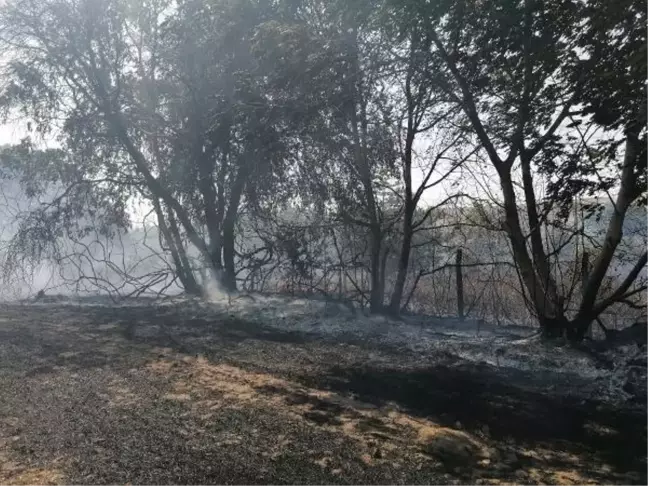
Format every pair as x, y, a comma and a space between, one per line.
158, 395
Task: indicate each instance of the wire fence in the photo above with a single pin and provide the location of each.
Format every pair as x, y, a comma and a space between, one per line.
489, 291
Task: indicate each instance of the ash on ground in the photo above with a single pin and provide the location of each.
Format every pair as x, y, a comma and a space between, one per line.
617, 376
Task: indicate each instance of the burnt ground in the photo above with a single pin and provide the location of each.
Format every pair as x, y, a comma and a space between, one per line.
160, 395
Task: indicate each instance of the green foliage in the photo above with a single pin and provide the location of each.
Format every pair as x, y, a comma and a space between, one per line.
206, 109
612, 72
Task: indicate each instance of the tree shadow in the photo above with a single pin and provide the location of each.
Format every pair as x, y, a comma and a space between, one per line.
537, 439
476, 396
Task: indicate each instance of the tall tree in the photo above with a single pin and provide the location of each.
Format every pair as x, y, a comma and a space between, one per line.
516, 72
612, 89
162, 97
337, 75
427, 142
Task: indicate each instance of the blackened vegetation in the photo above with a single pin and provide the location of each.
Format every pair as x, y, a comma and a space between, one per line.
636, 334
480, 395
61, 361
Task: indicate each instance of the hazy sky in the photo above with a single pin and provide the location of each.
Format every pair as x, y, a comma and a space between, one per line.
11, 133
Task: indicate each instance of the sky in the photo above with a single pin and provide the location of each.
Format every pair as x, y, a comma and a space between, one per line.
11, 133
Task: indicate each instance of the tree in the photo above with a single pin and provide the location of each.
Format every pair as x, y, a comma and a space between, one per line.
348, 148
613, 92
515, 71
163, 112
425, 114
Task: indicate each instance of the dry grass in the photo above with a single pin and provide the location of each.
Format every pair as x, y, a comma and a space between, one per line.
379, 434
84, 398
14, 474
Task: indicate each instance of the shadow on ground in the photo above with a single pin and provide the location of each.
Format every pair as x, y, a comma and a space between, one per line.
163, 397
475, 396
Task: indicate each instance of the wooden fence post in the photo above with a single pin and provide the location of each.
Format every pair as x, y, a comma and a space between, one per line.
460, 293
584, 278
584, 271
325, 278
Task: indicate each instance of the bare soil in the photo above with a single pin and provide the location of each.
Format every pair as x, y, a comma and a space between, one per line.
160, 395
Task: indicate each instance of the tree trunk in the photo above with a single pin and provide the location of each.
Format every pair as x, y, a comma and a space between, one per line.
383, 269
228, 278
545, 308
178, 255
206, 164
535, 231
212, 219
586, 313
585, 268
377, 290
535, 274
410, 201
358, 123
403, 262
115, 120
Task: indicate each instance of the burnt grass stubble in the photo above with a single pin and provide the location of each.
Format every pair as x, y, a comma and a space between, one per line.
59, 365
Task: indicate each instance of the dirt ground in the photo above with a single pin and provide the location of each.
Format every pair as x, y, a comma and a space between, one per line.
156, 395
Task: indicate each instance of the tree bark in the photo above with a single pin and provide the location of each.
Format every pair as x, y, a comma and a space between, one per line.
403, 262
544, 308
229, 269
377, 290
178, 255
614, 231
